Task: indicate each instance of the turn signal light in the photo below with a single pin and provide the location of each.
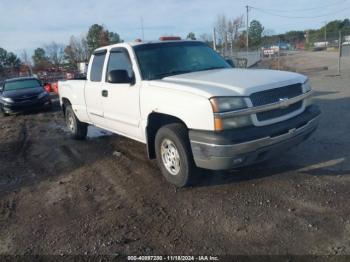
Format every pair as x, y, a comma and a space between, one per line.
218, 125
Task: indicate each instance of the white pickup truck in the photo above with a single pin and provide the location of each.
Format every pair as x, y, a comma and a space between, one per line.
189, 106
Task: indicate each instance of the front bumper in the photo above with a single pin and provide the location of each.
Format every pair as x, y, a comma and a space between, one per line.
245, 146
19, 107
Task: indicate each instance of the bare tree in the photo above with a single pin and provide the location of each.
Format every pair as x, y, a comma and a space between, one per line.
77, 51
268, 32
231, 32
205, 38
221, 29
237, 24
26, 61
228, 31
55, 54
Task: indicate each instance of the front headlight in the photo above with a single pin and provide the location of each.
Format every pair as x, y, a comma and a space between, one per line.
306, 86
43, 94
227, 104
7, 99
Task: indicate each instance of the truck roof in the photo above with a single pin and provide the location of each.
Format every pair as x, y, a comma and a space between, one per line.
136, 43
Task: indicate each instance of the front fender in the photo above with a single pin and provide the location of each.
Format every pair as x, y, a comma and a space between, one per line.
194, 110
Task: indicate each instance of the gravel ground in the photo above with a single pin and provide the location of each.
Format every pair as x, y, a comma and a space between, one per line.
103, 196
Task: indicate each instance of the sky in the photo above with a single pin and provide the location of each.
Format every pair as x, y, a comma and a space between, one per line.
27, 24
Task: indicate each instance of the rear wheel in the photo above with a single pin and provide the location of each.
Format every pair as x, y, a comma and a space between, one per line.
77, 129
49, 106
174, 155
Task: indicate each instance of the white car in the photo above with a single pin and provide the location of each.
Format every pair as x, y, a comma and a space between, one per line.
189, 106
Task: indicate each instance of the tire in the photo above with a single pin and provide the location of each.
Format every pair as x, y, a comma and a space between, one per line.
174, 155
77, 129
2, 113
50, 106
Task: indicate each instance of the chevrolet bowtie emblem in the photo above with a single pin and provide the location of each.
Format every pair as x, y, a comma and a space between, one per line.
283, 102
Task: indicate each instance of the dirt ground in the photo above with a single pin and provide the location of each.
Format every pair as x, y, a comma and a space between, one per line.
103, 196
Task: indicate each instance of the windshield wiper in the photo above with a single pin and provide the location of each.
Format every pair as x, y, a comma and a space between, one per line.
179, 72
212, 68
171, 73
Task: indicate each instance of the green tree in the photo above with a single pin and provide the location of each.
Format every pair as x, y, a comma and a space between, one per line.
80, 49
3, 56
255, 33
332, 28
40, 59
12, 60
76, 52
191, 36
114, 38
97, 36
8, 60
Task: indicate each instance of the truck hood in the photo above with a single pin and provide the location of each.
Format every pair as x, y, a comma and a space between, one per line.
229, 82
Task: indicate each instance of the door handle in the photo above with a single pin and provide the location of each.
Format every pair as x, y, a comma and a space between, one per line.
104, 93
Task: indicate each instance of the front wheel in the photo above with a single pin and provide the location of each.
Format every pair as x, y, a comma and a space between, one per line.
174, 155
77, 129
2, 112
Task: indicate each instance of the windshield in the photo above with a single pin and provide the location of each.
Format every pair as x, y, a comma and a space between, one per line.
172, 58
21, 84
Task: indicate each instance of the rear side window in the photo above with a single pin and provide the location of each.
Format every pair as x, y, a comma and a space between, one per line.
97, 67
119, 60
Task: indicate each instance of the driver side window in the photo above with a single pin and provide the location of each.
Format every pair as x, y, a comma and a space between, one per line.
119, 60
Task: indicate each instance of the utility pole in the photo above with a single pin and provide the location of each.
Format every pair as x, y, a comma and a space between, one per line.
279, 50
325, 34
247, 43
307, 36
340, 52
214, 39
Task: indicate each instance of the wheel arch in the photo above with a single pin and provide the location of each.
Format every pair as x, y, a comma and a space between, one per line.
64, 103
154, 122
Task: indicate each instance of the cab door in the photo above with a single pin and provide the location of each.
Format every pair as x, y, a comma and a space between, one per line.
121, 106
93, 88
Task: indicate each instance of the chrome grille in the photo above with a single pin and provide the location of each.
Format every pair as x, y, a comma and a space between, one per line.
273, 96
279, 112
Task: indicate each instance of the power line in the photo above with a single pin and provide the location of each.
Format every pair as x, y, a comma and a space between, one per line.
302, 9
300, 17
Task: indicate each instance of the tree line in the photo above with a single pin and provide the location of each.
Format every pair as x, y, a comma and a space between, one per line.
230, 35
330, 30
78, 49
8, 60
57, 56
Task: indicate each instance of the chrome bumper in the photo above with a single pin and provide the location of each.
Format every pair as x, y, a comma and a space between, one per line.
220, 157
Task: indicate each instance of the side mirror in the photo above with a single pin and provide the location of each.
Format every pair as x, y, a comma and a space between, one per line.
119, 77
1, 89
230, 62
